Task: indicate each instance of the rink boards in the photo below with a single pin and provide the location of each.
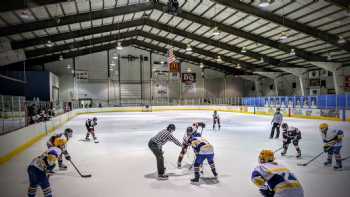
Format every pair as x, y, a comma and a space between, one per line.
16, 142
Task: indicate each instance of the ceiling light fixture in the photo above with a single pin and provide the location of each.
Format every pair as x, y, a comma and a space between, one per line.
188, 48
69, 66
119, 46
341, 40
201, 65
218, 59
292, 52
60, 57
24, 14
112, 64
49, 43
283, 36
189, 69
244, 49
216, 31
114, 56
264, 3
238, 66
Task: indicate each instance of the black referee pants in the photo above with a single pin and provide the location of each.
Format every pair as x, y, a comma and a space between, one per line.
157, 151
275, 126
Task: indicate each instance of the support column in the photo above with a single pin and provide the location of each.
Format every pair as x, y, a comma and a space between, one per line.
335, 68
299, 72
273, 76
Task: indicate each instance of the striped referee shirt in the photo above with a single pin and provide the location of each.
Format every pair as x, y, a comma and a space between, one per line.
163, 137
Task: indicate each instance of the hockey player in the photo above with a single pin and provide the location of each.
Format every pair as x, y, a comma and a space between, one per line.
185, 144
291, 134
332, 139
276, 123
156, 143
216, 120
195, 127
204, 151
273, 179
90, 126
38, 172
60, 140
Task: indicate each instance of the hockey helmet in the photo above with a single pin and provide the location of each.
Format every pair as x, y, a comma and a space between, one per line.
68, 132
278, 109
59, 142
266, 156
284, 126
171, 127
189, 130
323, 127
94, 119
52, 154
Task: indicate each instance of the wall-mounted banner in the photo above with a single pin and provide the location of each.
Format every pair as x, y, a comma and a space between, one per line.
188, 78
174, 67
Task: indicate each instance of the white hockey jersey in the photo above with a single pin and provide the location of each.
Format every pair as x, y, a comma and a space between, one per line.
333, 137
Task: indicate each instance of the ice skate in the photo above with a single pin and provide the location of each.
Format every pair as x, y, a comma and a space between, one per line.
298, 156
327, 163
163, 177
195, 180
62, 167
338, 167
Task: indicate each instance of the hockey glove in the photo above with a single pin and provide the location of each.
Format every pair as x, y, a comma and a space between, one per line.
68, 157
266, 192
326, 148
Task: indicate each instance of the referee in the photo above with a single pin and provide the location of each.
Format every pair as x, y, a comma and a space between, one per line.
156, 143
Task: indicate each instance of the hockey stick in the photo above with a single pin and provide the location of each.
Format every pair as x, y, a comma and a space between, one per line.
307, 163
345, 158
278, 150
82, 175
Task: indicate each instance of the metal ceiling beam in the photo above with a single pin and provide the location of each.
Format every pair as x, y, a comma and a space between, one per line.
43, 51
109, 38
79, 44
67, 55
95, 49
76, 34
217, 66
20, 4
257, 56
249, 36
70, 19
245, 65
267, 15
345, 4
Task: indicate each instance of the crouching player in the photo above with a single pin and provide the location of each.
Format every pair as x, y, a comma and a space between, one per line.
291, 134
204, 151
195, 127
275, 180
332, 139
60, 140
38, 172
185, 144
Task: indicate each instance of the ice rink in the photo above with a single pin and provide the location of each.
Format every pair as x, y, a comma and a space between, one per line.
123, 166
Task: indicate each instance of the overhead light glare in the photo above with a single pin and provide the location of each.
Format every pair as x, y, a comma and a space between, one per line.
119, 46
264, 3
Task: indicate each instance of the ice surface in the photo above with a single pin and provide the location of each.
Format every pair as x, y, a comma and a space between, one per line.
122, 165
